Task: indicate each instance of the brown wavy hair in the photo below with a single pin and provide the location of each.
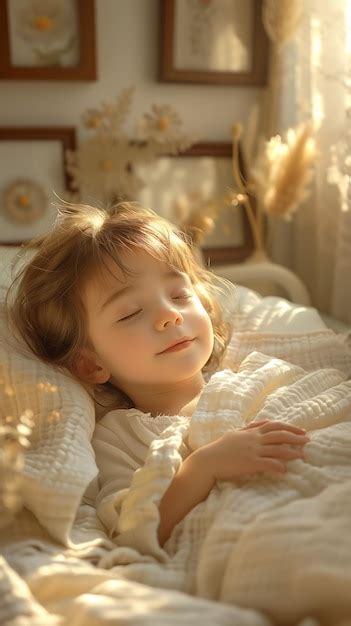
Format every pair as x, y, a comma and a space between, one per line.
44, 301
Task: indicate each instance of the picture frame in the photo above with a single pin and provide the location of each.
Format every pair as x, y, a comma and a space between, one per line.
204, 169
71, 56
34, 165
192, 51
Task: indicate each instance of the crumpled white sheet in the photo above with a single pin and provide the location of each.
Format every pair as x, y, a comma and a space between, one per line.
280, 544
61, 594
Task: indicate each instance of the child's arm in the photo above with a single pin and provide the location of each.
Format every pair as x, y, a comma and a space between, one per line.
260, 447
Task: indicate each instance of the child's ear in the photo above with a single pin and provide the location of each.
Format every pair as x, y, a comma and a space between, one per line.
88, 369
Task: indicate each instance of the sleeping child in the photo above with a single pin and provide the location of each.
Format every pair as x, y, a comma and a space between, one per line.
118, 298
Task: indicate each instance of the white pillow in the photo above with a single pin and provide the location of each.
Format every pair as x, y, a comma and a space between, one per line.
60, 463
284, 330
256, 313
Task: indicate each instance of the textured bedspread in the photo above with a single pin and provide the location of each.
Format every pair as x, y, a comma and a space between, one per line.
44, 584
273, 550
277, 544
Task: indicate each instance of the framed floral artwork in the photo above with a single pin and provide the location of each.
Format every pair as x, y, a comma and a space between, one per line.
194, 190
47, 40
220, 42
32, 168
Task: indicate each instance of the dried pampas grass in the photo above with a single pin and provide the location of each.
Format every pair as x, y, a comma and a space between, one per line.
281, 19
250, 136
275, 186
284, 171
197, 216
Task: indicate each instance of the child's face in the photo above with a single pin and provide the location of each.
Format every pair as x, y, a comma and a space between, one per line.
131, 332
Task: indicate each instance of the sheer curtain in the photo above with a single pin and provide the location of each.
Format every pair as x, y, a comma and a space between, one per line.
316, 83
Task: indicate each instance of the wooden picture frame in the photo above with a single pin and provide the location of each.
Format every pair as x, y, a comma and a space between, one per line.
178, 59
171, 176
83, 68
37, 155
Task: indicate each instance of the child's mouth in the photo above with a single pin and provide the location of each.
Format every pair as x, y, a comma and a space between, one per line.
178, 346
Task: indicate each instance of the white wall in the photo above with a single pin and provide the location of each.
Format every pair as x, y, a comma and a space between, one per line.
127, 54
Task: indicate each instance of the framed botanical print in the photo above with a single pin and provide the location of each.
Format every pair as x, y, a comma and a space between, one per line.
192, 187
32, 169
47, 40
220, 42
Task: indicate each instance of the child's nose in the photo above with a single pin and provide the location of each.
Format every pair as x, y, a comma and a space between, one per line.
167, 316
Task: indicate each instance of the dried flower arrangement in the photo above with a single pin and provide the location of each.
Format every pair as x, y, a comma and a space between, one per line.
15, 439
197, 216
278, 181
104, 167
277, 172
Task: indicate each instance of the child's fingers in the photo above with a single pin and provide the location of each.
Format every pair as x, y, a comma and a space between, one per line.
254, 425
268, 426
283, 436
282, 452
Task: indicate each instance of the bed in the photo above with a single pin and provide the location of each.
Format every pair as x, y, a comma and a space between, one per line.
60, 564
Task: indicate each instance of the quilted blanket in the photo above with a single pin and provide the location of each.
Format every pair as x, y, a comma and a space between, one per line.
278, 544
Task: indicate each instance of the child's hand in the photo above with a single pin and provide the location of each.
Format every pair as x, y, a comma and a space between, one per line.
260, 447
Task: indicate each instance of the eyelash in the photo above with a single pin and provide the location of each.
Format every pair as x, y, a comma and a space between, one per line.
182, 297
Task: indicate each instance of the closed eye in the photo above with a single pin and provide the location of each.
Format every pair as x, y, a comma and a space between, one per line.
127, 317
183, 296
